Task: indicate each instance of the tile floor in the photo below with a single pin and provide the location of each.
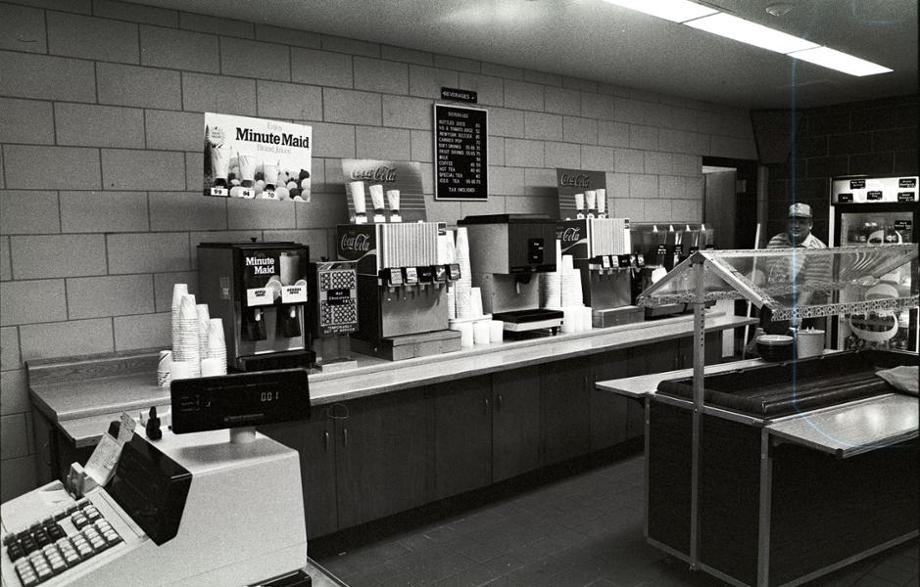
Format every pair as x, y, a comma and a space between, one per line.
585, 529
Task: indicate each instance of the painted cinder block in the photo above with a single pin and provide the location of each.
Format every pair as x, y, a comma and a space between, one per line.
506, 181
89, 125
405, 112
143, 331
87, 37
6, 269
496, 150
598, 106
658, 162
223, 236
352, 46
333, 140
289, 101
628, 161
72, 80
188, 210
142, 170
315, 239
502, 71
523, 153
65, 255
260, 214
194, 171
14, 441
377, 75
630, 208
178, 49
539, 125
490, 91
617, 185
14, 393
374, 142
65, 339
658, 211
255, 59
457, 63
643, 137
148, 252
541, 77
352, 107
26, 302
597, 158
672, 186
211, 93
632, 111
506, 123
643, 186
422, 147
51, 168
523, 95
144, 87
29, 212
321, 68
286, 36
563, 101
612, 134
100, 211
136, 13
579, 130
577, 83
22, 28
562, 155
682, 141
406, 55
687, 210
96, 297
215, 25
174, 131
9, 348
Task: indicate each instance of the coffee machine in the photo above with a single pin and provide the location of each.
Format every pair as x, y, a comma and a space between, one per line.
602, 249
259, 290
402, 289
506, 251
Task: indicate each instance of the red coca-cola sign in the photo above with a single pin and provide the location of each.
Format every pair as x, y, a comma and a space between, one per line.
355, 242
381, 173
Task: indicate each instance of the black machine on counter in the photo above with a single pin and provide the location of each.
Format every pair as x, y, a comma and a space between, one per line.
259, 290
601, 248
402, 289
506, 250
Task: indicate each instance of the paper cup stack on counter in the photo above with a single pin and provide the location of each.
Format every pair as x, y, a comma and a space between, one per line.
215, 359
186, 353
198, 346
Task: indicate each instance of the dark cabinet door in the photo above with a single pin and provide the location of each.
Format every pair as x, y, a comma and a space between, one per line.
653, 358
382, 455
462, 435
515, 423
313, 440
712, 352
608, 410
566, 416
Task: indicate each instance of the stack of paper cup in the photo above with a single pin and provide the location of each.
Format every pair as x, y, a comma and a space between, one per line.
466, 333
496, 331
475, 302
186, 349
465, 283
212, 367
203, 321
185, 370
179, 290
571, 284
451, 302
164, 367
217, 348
481, 332
551, 284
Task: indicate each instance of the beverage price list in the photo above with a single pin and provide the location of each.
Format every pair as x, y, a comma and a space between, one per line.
460, 153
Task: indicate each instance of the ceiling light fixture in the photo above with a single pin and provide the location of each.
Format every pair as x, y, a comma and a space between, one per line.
745, 31
673, 10
827, 57
711, 20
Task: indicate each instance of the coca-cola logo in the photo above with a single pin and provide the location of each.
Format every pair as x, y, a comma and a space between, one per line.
360, 243
580, 180
383, 173
571, 235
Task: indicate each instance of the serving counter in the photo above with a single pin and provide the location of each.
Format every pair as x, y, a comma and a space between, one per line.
388, 436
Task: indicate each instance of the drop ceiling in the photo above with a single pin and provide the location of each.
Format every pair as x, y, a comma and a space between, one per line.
598, 41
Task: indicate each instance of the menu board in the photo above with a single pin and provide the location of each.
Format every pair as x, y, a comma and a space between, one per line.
460, 158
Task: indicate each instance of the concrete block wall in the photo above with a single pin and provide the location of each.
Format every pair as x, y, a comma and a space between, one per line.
101, 129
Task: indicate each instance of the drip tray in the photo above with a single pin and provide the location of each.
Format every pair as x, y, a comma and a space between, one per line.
525, 320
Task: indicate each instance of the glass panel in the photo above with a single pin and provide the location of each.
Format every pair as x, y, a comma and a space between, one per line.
875, 228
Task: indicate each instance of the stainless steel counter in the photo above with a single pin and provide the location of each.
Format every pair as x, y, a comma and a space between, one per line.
82, 407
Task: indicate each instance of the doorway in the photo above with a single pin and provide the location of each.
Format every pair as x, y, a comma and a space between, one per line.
730, 201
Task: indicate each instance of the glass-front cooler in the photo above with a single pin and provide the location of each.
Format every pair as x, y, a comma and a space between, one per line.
868, 211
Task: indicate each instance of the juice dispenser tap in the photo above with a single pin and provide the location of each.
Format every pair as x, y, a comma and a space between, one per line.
254, 328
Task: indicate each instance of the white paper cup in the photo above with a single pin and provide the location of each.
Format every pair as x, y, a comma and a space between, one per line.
179, 290
466, 333
496, 331
185, 370
570, 319
475, 302
212, 367
481, 332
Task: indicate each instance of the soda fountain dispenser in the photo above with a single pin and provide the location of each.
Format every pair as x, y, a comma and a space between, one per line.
402, 290
259, 290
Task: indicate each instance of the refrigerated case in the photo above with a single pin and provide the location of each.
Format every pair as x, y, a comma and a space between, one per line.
868, 211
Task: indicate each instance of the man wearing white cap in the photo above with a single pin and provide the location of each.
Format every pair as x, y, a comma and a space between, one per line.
795, 269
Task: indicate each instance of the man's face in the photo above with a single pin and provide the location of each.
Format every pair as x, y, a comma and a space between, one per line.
798, 229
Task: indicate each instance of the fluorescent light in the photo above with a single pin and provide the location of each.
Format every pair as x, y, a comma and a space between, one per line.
673, 10
751, 33
826, 57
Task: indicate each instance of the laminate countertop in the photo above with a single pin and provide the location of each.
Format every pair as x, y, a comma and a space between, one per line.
82, 405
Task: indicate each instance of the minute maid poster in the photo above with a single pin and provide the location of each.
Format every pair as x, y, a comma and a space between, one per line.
252, 158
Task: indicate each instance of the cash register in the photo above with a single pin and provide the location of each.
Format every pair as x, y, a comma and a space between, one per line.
186, 505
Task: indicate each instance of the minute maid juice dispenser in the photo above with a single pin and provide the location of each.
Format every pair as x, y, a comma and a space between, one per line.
259, 290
